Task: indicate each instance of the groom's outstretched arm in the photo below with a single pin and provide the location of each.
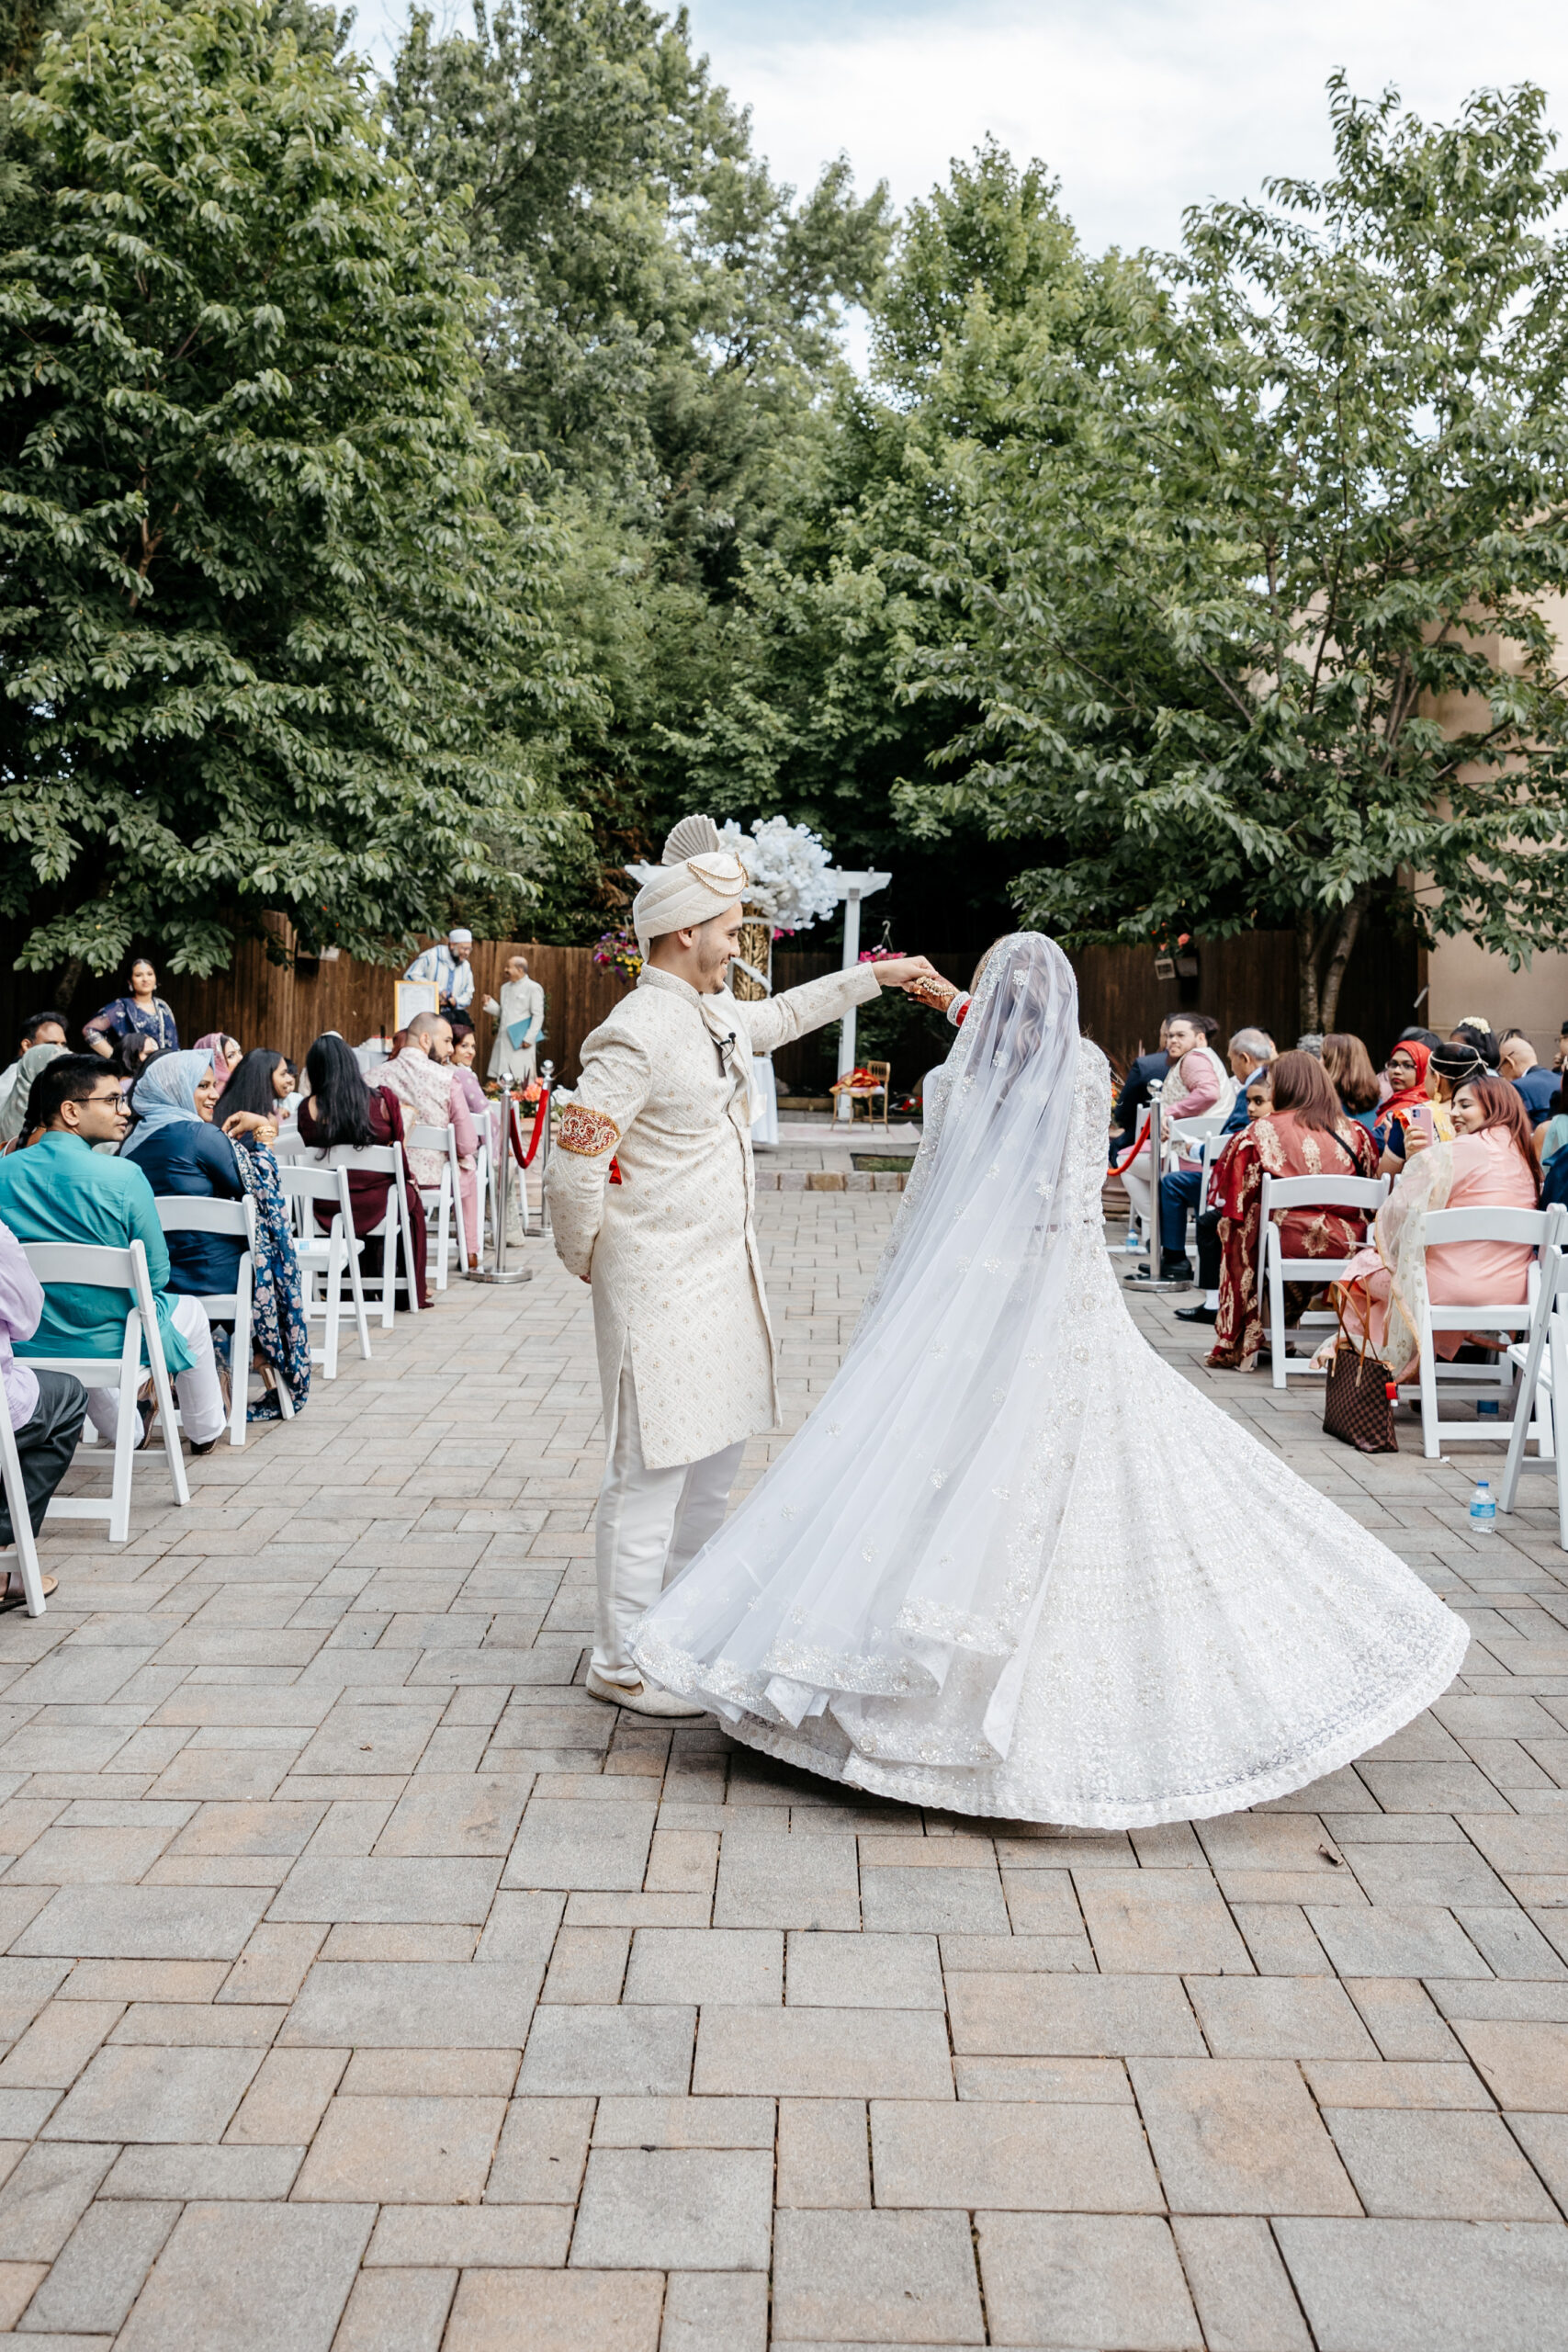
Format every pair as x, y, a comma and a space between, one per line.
778, 1020
609, 1095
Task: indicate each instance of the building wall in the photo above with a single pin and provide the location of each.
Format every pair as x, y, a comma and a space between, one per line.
1463, 978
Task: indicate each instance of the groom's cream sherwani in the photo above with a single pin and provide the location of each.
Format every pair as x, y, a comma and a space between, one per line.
678, 1295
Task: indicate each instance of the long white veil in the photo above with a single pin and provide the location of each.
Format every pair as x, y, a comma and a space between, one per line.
899, 1549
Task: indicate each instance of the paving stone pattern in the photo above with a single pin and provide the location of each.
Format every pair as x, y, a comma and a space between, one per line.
365, 1985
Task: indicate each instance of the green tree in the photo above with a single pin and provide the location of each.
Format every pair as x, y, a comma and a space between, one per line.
665, 332
1252, 600
276, 626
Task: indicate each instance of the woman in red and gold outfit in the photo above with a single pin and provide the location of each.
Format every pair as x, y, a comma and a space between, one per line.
1306, 1134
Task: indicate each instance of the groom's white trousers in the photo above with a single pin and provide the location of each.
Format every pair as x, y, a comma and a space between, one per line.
650, 1523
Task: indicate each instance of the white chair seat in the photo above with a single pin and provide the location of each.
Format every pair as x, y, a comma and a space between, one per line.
125, 1270
236, 1221
1531, 1228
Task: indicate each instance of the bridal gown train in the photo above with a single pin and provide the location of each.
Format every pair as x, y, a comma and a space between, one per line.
1014, 1564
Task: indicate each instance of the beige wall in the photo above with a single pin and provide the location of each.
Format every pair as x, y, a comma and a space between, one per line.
1464, 979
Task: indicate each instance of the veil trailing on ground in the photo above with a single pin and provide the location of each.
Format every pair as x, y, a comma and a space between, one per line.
888, 1569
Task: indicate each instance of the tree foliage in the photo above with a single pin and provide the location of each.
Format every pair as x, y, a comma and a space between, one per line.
275, 609
1255, 594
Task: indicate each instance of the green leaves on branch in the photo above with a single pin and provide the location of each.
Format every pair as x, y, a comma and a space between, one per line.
275, 617
1251, 591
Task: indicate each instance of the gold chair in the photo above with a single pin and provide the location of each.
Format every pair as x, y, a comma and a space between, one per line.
880, 1075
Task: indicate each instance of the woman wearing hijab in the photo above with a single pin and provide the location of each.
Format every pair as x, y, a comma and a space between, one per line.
14, 1111
226, 1055
183, 1154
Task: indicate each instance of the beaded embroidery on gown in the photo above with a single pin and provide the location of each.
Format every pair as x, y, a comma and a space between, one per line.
1014, 1564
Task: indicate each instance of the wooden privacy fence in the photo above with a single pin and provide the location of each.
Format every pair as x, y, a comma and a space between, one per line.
1247, 981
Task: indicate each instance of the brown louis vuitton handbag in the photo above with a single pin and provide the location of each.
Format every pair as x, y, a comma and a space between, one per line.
1357, 1404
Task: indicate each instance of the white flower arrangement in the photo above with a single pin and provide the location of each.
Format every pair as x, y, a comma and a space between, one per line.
788, 864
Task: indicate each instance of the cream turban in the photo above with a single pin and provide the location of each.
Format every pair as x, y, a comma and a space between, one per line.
678, 897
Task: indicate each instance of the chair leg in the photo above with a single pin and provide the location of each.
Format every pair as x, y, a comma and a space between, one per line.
357, 1289
240, 1372
1430, 1442
335, 1253
128, 1429
1276, 1316
22, 1530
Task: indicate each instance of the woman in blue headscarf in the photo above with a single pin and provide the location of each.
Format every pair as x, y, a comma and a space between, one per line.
182, 1152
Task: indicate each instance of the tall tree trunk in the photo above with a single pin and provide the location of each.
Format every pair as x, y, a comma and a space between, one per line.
1307, 970
1345, 940
67, 980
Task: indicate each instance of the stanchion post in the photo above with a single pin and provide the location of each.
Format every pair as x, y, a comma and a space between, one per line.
547, 1079
501, 1272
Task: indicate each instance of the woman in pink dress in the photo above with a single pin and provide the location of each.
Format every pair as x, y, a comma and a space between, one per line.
1489, 1164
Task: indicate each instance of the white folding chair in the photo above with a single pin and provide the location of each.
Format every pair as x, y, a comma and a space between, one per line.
329, 1254
1542, 1362
178, 1213
22, 1518
443, 1208
1530, 1228
86, 1266
394, 1231
1366, 1194
290, 1144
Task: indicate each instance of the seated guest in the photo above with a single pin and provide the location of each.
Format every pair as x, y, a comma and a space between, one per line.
258, 1083
1474, 1030
1488, 1164
1196, 1084
47, 1408
1257, 1101
1550, 1138
38, 1029
339, 1113
1249, 1050
1305, 1133
59, 1189
134, 1050
1134, 1093
1534, 1086
1350, 1072
185, 1154
15, 1120
423, 1080
226, 1055
1447, 1067
143, 1010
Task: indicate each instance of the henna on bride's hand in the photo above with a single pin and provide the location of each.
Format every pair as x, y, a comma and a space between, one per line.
938, 994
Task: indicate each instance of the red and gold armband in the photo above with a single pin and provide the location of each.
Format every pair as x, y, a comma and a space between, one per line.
589, 1133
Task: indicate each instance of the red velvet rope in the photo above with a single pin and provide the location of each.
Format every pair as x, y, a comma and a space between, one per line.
525, 1159
1143, 1136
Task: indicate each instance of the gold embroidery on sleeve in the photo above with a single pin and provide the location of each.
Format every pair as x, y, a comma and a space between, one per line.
585, 1131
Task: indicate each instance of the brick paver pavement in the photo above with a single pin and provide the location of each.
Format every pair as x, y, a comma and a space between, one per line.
366, 1985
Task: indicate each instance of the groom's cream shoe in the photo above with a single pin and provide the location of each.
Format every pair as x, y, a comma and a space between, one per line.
640, 1698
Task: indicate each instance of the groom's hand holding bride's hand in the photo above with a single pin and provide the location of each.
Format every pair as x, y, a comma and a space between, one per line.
918, 975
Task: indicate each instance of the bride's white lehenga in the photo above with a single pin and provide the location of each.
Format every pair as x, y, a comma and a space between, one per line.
1014, 1564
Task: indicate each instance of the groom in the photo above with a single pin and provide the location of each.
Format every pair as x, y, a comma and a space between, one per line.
650, 1191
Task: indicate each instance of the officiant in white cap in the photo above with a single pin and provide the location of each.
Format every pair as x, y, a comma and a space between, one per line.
652, 1198
449, 965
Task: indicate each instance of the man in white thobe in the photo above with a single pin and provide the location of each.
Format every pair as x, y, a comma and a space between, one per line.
650, 1191
447, 964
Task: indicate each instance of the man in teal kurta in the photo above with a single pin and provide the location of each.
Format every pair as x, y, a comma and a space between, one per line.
59, 1189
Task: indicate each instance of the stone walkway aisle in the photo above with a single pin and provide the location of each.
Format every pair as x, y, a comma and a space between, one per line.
365, 1985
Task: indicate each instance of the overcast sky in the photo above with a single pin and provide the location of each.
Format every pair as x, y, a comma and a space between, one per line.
1139, 107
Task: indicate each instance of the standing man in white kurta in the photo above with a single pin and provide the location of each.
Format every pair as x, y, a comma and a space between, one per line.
680, 1320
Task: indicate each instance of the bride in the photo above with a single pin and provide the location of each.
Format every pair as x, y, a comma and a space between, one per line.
1015, 1564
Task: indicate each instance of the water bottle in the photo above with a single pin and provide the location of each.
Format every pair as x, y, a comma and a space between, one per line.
1483, 1509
